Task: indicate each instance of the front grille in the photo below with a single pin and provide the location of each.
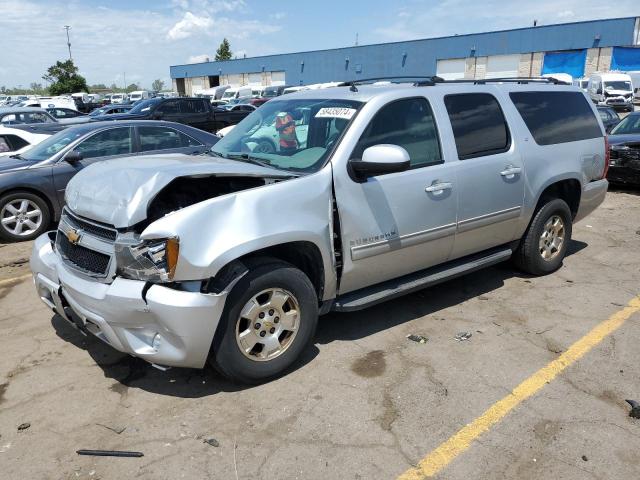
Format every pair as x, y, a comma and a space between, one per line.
89, 227
81, 257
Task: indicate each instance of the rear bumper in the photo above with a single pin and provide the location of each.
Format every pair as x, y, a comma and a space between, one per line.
593, 194
168, 327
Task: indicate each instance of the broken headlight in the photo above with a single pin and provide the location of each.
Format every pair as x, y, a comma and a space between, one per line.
147, 260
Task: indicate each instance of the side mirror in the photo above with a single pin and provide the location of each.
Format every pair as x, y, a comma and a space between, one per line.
381, 159
73, 157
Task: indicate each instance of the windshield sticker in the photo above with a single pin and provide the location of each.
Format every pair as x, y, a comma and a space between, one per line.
336, 112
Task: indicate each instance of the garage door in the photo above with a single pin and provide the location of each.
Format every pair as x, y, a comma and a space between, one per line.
451, 69
502, 66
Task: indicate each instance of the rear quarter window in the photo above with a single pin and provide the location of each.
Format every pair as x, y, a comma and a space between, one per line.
557, 117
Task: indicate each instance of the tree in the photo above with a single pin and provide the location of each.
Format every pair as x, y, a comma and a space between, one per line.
132, 87
224, 51
157, 85
64, 78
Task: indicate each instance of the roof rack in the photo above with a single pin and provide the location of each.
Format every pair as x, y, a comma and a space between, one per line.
430, 81
418, 80
519, 80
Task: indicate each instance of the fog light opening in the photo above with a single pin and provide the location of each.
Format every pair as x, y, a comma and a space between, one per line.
156, 342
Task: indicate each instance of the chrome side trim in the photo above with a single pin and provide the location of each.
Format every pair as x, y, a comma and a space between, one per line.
410, 239
488, 219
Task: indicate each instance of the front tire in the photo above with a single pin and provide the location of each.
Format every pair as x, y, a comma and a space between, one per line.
23, 216
269, 319
545, 242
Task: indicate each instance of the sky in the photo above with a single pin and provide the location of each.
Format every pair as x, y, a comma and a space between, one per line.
111, 39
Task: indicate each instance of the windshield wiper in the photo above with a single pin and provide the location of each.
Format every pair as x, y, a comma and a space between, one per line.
18, 156
245, 157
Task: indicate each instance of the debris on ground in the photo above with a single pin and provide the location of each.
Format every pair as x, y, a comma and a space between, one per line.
417, 338
116, 428
463, 336
23, 426
211, 441
635, 408
584, 457
483, 297
110, 453
616, 304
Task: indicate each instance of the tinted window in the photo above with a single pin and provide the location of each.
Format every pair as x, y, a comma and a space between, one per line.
4, 145
557, 117
194, 106
162, 138
16, 142
168, 108
479, 126
409, 124
114, 141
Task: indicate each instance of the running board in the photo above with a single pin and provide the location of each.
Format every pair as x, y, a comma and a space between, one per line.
369, 296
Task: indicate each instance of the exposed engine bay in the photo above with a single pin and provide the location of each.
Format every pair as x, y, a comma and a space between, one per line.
185, 191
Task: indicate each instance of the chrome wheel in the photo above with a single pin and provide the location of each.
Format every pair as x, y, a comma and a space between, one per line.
21, 217
552, 238
267, 324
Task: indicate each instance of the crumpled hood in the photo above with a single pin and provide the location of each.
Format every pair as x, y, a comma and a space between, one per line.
118, 192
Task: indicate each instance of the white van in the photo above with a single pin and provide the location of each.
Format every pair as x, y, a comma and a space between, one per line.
611, 89
82, 96
62, 101
635, 81
138, 95
213, 93
119, 98
236, 92
583, 83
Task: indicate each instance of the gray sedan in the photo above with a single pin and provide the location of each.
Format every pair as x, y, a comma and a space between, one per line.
32, 184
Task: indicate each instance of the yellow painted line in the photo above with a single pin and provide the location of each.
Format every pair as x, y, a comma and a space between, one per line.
443, 455
13, 281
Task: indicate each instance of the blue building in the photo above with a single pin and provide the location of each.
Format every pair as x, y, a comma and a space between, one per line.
578, 49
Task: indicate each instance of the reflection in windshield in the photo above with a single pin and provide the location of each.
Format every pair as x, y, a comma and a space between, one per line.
629, 124
52, 145
621, 85
295, 135
144, 105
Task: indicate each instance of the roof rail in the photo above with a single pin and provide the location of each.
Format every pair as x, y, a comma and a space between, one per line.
519, 80
418, 80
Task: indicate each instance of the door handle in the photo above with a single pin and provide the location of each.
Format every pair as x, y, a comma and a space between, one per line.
510, 171
438, 187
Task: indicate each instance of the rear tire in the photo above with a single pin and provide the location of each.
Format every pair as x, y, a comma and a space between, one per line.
269, 319
544, 244
23, 216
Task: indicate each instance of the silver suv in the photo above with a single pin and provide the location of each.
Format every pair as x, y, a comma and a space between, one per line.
366, 192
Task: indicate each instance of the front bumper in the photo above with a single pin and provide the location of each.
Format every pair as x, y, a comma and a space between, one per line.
167, 327
624, 175
593, 194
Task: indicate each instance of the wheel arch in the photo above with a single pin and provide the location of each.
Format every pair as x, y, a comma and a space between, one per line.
567, 189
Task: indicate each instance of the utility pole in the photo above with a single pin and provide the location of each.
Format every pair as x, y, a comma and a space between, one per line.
125, 82
356, 39
67, 27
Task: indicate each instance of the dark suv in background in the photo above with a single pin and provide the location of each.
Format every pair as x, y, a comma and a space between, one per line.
196, 112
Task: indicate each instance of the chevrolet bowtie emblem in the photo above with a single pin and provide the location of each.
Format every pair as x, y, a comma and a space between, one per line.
73, 236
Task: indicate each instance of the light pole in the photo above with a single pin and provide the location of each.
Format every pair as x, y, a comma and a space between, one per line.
67, 27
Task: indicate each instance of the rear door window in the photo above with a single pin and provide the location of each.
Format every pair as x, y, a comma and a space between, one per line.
162, 138
408, 123
171, 107
557, 117
4, 145
478, 124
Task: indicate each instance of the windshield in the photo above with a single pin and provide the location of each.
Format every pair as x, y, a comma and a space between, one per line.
52, 145
270, 92
296, 135
144, 105
621, 85
98, 111
229, 93
629, 124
